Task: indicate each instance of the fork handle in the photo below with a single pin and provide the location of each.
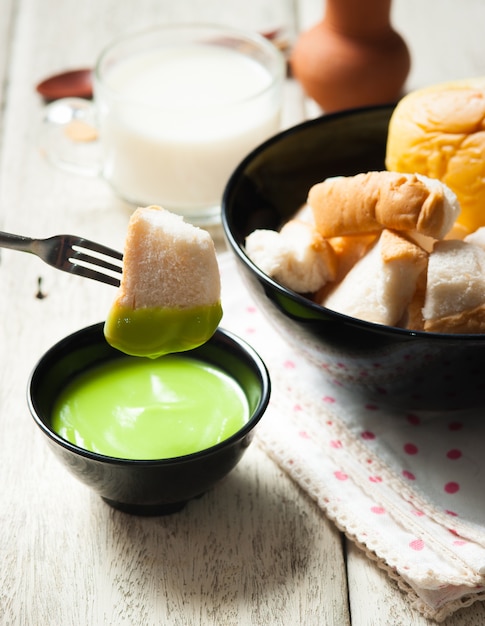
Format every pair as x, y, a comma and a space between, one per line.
15, 242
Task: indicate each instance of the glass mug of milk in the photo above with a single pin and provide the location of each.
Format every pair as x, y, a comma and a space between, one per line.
177, 108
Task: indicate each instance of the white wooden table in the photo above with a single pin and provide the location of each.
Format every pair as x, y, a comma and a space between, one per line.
255, 550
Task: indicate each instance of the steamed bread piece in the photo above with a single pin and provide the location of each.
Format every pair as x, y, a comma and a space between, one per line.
169, 299
439, 131
381, 285
372, 201
296, 256
455, 293
477, 237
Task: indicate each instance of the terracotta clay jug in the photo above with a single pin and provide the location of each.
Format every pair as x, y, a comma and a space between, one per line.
353, 57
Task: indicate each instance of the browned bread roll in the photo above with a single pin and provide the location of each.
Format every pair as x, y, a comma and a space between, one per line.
370, 202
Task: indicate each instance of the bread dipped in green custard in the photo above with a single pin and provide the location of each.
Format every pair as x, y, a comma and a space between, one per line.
169, 299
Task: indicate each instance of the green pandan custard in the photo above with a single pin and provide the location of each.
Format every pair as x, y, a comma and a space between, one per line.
153, 332
150, 409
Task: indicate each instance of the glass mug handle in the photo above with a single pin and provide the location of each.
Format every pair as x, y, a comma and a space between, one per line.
69, 137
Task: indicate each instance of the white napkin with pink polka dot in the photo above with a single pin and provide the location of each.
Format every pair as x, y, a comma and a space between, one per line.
408, 488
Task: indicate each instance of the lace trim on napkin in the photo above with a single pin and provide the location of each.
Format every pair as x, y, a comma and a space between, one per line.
447, 593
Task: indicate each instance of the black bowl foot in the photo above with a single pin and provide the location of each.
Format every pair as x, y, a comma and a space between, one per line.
147, 509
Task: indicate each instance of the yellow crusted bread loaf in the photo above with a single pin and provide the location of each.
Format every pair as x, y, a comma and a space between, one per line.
439, 131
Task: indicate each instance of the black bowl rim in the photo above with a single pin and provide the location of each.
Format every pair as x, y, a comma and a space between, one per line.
238, 249
220, 334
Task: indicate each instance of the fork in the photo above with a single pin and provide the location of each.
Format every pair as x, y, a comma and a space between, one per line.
72, 254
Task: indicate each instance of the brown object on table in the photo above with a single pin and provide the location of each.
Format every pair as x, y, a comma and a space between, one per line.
353, 57
70, 84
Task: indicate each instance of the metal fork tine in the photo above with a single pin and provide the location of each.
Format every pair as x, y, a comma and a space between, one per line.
82, 270
93, 246
71, 254
81, 258
93, 260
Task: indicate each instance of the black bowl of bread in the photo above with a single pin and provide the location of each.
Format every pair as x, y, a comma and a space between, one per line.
356, 234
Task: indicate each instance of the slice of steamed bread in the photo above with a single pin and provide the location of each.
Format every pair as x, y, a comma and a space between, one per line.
381, 285
297, 256
455, 294
169, 299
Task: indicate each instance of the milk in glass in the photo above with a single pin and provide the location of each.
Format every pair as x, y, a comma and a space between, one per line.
176, 121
